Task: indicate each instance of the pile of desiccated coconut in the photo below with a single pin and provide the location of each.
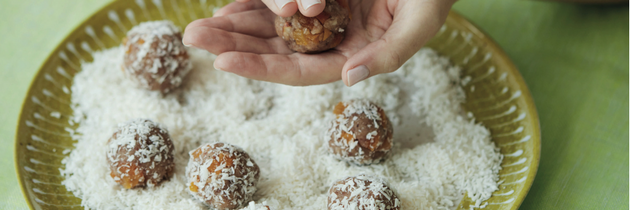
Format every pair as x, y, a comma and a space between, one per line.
438, 155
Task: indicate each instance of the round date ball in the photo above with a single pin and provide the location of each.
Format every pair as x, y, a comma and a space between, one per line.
361, 133
140, 153
315, 34
362, 193
222, 175
155, 57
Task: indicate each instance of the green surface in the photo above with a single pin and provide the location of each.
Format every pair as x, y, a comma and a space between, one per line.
30, 30
573, 57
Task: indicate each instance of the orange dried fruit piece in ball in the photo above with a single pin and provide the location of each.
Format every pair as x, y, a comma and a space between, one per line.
140, 153
362, 193
361, 133
315, 34
155, 57
221, 175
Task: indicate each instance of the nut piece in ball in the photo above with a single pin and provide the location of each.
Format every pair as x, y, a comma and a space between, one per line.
314, 34
155, 57
362, 193
361, 133
140, 153
222, 175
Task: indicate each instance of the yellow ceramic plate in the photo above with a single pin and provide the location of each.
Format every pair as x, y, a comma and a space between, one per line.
497, 96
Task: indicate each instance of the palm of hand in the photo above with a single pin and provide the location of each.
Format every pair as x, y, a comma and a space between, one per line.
369, 22
246, 43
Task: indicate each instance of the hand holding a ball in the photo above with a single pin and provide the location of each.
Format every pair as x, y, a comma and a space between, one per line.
380, 36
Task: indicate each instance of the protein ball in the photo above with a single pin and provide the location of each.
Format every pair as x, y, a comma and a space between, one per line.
140, 153
362, 193
222, 175
361, 133
314, 34
155, 57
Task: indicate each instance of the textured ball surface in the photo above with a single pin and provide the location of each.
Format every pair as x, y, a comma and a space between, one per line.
361, 133
222, 175
155, 56
315, 34
140, 153
362, 193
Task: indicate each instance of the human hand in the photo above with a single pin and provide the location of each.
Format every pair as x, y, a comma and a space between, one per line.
382, 35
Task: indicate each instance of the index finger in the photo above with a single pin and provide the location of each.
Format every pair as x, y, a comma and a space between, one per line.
239, 6
284, 8
293, 69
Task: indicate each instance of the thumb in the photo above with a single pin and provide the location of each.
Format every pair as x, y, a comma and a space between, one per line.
413, 25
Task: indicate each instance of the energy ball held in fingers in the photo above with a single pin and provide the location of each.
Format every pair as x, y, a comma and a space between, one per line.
140, 153
222, 175
361, 133
362, 193
155, 57
315, 34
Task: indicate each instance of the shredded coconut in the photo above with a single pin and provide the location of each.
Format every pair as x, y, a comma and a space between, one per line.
362, 192
155, 54
143, 146
257, 206
222, 175
361, 133
438, 155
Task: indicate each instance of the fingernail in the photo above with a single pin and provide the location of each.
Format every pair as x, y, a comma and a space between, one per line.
281, 3
190, 46
309, 3
357, 74
185, 44
215, 66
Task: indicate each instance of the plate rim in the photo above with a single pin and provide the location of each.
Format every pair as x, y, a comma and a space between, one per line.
529, 100
22, 118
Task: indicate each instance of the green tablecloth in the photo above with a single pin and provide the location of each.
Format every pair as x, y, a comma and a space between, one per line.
574, 59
